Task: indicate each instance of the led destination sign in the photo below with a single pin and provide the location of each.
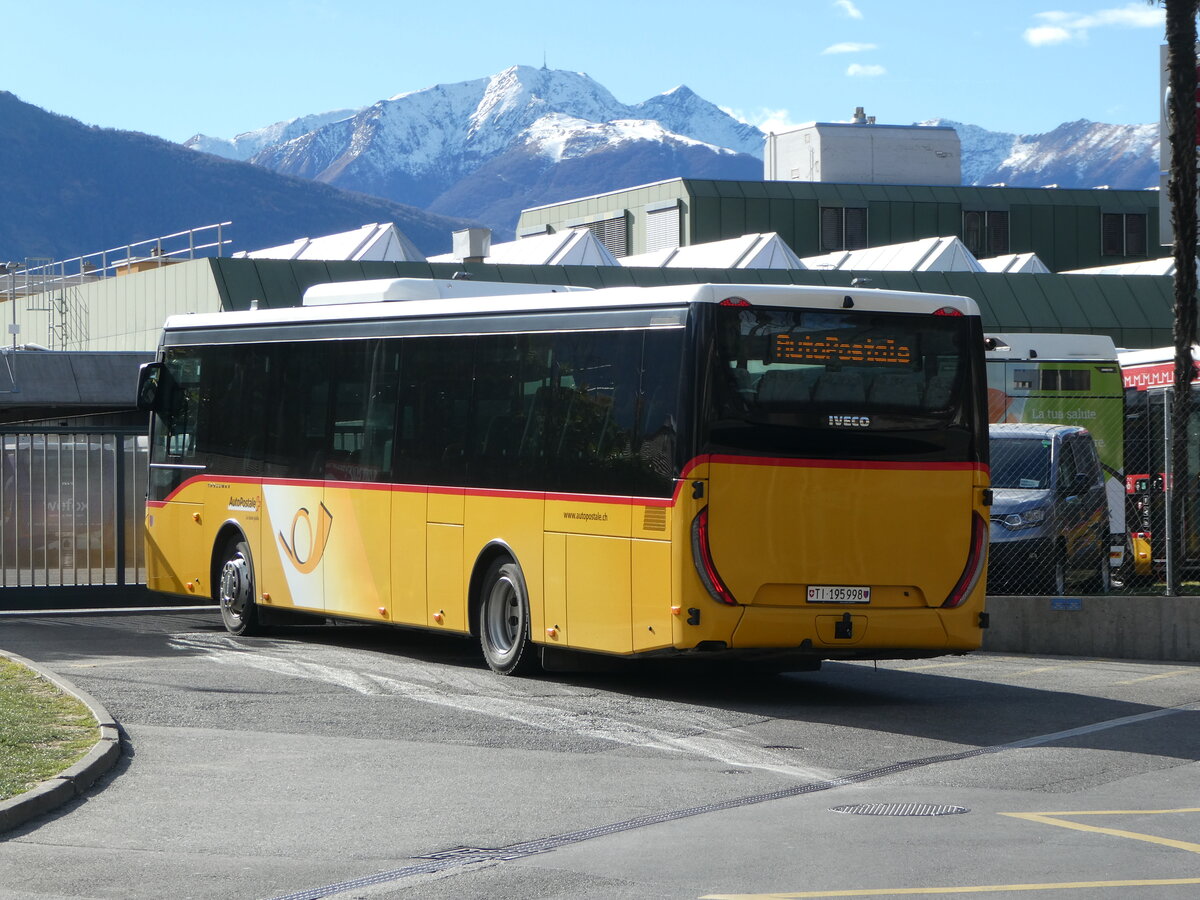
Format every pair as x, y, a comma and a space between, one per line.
798, 347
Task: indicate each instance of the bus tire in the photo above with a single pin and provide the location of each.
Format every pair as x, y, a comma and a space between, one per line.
235, 590
504, 619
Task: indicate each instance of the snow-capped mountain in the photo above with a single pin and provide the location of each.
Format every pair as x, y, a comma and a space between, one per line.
421, 145
248, 143
1079, 154
487, 148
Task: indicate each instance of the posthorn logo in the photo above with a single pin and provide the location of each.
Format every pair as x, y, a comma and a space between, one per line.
307, 545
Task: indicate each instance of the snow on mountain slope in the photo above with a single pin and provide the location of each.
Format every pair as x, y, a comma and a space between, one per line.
560, 137
1079, 154
493, 138
685, 112
449, 130
248, 143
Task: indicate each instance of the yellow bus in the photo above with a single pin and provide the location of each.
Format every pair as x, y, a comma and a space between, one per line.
780, 471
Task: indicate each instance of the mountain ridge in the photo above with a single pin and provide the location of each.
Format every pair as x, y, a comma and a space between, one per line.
73, 189
468, 149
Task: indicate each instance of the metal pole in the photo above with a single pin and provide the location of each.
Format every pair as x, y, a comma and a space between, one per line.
1169, 489
119, 513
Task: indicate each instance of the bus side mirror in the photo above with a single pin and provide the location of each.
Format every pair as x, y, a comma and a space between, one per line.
150, 393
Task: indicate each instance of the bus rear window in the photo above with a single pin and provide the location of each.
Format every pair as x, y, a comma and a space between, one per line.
780, 360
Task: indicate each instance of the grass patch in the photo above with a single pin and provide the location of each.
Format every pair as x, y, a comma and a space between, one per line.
44, 730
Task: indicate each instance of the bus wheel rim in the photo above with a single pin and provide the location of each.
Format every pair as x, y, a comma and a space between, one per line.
234, 583
504, 615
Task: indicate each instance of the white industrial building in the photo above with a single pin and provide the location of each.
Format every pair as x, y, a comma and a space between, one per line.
863, 152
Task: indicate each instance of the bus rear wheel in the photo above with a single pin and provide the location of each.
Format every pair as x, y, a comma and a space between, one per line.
235, 591
504, 619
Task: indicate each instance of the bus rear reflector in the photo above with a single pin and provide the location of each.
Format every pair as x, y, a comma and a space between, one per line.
702, 557
973, 570
947, 311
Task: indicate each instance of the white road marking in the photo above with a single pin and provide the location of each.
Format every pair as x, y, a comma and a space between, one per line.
226, 651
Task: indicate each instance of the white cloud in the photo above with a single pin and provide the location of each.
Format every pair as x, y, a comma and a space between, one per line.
1058, 27
848, 47
848, 8
860, 71
769, 120
1046, 35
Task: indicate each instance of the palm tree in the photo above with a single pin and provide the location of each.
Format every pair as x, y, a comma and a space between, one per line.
1181, 191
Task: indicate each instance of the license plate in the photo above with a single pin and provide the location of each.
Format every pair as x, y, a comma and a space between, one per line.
838, 593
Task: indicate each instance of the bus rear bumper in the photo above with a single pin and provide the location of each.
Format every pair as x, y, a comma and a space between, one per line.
855, 630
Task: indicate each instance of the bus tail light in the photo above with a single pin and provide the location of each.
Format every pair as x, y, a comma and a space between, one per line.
973, 570
702, 557
947, 311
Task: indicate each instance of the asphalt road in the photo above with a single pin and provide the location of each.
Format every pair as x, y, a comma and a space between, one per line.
363, 762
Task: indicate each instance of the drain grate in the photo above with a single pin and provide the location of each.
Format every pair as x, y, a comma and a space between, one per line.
480, 854
900, 809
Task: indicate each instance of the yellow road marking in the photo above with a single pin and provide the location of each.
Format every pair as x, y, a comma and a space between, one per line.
1046, 818
1156, 677
969, 889
1111, 812
1053, 819
1041, 669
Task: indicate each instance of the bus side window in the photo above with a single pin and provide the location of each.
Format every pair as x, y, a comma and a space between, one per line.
297, 426
437, 374
655, 449
364, 411
179, 421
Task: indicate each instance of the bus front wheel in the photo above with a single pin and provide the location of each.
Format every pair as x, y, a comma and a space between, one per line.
235, 591
504, 619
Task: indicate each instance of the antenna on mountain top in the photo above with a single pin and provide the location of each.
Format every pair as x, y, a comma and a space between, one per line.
543, 59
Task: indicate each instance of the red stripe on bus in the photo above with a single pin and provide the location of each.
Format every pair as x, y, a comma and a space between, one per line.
785, 462
614, 499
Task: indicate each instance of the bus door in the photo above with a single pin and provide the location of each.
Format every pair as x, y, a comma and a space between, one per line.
177, 489
328, 502
354, 522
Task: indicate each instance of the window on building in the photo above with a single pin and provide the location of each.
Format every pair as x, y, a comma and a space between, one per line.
985, 232
1123, 234
612, 233
662, 228
843, 227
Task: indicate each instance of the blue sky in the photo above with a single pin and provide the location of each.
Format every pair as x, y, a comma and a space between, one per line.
221, 67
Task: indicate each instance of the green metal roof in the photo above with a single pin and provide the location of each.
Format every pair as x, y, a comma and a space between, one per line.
1135, 311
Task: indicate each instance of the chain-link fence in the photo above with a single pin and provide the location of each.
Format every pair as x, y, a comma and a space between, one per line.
1157, 557
1081, 485
1052, 531
1058, 438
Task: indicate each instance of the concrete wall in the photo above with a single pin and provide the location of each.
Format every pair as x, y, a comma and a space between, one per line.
125, 312
1158, 628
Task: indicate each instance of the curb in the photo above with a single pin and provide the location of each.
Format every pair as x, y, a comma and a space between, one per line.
72, 782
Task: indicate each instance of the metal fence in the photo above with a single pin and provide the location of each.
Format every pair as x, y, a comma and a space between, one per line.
1080, 507
71, 508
